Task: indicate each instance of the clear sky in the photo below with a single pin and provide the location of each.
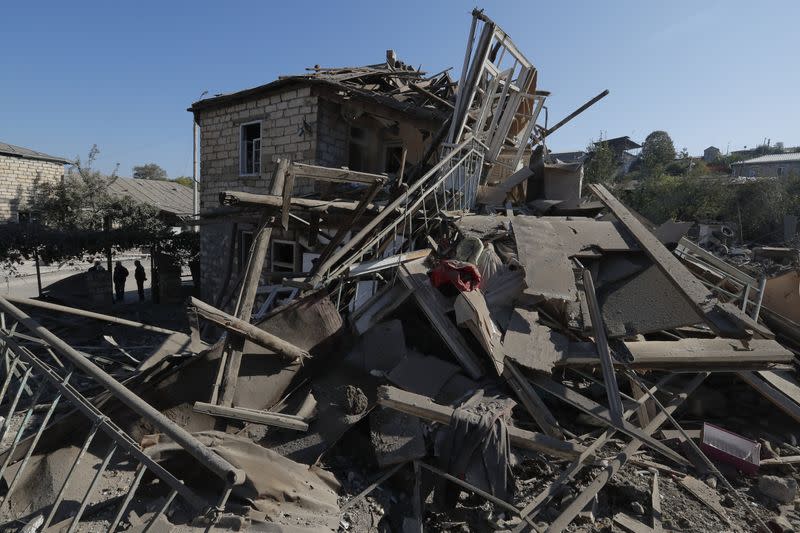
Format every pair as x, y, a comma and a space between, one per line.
121, 74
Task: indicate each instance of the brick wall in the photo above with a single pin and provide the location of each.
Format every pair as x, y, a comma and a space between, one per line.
288, 129
17, 178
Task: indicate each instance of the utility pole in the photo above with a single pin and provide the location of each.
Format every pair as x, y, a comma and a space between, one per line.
195, 171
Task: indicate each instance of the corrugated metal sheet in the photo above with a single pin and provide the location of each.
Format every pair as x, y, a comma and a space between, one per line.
771, 158
167, 196
27, 153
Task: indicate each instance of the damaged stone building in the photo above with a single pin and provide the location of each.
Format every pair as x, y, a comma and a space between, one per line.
317, 119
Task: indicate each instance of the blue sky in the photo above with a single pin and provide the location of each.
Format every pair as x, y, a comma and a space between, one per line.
121, 75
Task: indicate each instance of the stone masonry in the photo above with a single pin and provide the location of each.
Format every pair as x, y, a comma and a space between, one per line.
17, 178
300, 122
288, 129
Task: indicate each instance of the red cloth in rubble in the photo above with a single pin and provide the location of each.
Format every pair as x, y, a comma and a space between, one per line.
464, 276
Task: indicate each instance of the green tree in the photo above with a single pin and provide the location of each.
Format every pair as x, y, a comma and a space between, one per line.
186, 181
150, 171
600, 166
657, 152
78, 215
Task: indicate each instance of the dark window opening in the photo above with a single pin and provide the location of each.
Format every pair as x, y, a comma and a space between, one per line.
392, 156
283, 256
357, 153
245, 242
250, 157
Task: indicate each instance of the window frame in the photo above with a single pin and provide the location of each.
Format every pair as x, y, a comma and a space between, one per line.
282, 265
243, 150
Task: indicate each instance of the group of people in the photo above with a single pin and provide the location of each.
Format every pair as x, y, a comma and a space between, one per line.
121, 274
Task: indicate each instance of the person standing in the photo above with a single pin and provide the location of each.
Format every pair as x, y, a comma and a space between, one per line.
140, 276
120, 275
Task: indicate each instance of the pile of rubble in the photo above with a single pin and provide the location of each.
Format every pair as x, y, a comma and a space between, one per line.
516, 353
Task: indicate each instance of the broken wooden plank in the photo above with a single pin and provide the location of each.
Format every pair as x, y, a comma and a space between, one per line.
599, 412
655, 503
232, 353
424, 407
471, 311
253, 415
414, 276
686, 353
248, 331
706, 495
469, 487
531, 400
580, 501
725, 321
606, 361
338, 175
323, 264
786, 402
376, 265
88, 314
631, 524
378, 307
537, 504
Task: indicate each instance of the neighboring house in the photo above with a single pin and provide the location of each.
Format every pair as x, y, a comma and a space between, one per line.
774, 165
711, 154
620, 147
173, 200
322, 118
567, 157
21, 169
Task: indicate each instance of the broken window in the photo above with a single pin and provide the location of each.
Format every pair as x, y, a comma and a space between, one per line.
357, 157
245, 242
780, 171
250, 144
283, 256
392, 157
26, 217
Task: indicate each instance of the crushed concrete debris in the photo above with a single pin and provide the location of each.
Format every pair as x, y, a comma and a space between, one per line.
443, 362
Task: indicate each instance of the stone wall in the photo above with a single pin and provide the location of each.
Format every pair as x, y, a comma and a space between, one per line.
17, 178
288, 129
332, 135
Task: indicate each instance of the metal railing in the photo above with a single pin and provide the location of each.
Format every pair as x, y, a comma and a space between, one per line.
451, 185
39, 367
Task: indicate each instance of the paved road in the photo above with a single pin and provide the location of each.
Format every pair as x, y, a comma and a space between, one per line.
24, 285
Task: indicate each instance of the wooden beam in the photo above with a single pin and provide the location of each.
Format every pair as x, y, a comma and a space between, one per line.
324, 263
248, 331
602, 414
423, 407
414, 276
232, 357
537, 504
339, 175
687, 353
655, 503
579, 502
87, 314
531, 400
780, 398
253, 415
606, 361
726, 321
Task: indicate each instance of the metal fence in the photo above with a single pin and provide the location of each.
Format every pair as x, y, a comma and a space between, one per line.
42, 372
